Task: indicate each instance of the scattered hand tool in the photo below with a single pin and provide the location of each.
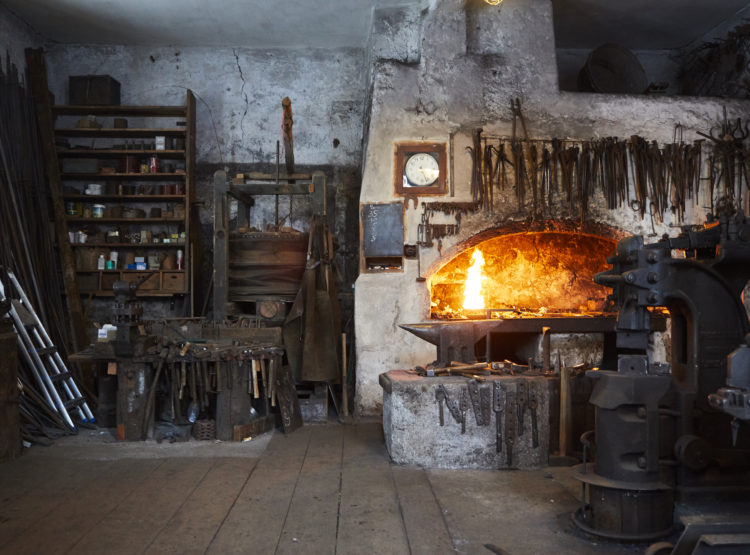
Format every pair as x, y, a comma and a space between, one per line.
254, 370
485, 402
452, 405
440, 397
510, 425
264, 378
498, 402
473, 388
521, 405
532, 409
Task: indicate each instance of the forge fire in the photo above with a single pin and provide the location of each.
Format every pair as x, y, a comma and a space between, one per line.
532, 272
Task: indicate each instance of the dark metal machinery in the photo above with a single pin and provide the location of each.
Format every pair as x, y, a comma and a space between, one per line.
661, 433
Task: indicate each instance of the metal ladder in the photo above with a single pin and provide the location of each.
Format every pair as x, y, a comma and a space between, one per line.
56, 382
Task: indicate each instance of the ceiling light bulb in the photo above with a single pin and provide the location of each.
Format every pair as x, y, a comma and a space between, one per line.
493, 2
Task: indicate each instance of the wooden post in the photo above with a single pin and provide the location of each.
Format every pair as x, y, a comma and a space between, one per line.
10, 425
194, 246
45, 121
133, 382
286, 103
318, 200
221, 246
566, 409
344, 377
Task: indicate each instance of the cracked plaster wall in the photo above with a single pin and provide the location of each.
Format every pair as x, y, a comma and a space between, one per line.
238, 94
238, 120
473, 61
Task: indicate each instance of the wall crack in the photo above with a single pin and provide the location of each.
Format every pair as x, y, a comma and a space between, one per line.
242, 93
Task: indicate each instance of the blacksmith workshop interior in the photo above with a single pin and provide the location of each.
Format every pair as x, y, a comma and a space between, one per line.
375, 276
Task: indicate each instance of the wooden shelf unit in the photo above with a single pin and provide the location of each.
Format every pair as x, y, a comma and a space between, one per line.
158, 283
81, 176
152, 282
117, 153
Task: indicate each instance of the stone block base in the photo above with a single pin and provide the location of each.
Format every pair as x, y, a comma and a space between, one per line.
414, 436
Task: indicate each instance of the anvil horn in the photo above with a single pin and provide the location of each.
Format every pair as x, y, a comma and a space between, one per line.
428, 332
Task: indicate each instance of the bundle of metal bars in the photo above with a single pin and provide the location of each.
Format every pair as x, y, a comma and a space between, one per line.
26, 240
559, 177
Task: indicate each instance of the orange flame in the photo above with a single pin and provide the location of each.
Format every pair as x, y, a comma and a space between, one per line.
473, 297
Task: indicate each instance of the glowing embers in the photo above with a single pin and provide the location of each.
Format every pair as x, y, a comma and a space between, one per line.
473, 295
536, 272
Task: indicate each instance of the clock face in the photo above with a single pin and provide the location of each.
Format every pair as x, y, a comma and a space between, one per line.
421, 170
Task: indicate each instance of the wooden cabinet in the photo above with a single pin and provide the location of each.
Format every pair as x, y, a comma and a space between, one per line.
128, 181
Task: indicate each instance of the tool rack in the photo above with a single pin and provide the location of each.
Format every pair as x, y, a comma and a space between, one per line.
227, 379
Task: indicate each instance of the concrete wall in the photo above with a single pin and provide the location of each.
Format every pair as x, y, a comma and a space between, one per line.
472, 64
15, 37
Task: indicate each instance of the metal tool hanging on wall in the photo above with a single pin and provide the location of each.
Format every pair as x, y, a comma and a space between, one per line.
559, 175
428, 233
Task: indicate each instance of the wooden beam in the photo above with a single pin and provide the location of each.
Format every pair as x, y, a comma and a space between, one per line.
286, 103
237, 190
194, 253
221, 245
43, 100
258, 176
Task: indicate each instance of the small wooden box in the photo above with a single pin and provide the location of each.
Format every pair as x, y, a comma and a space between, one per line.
174, 281
93, 90
151, 283
108, 280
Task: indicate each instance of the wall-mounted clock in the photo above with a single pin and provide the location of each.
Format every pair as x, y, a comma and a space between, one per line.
420, 168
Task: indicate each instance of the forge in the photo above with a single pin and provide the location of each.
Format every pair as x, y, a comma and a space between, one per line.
519, 295
525, 274
521, 301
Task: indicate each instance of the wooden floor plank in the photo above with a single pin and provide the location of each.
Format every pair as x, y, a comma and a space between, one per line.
42, 494
85, 508
193, 527
530, 512
310, 525
423, 519
137, 520
254, 523
370, 519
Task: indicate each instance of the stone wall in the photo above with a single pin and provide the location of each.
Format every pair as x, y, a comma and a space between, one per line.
473, 62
